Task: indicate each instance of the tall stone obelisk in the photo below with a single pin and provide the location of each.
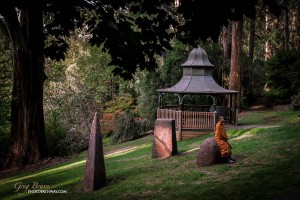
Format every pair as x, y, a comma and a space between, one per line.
94, 174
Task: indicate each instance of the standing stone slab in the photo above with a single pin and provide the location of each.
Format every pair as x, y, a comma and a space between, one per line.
164, 139
209, 153
94, 174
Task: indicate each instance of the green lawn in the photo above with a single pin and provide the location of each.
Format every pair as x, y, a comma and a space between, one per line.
268, 166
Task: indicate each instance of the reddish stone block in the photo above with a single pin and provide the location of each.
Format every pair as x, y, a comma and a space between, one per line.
164, 139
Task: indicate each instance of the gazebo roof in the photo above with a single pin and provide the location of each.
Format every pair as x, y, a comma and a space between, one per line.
197, 77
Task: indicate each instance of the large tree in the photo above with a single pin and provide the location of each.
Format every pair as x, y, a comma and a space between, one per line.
37, 29
236, 61
132, 31
28, 142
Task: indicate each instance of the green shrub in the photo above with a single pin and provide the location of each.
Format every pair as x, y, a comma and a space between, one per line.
295, 102
129, 128
120, 103
63, 141
73, 143
148, 96
55, 133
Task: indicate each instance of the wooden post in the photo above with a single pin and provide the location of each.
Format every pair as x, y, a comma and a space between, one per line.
180, 125
236, 117
214, 121
230, 108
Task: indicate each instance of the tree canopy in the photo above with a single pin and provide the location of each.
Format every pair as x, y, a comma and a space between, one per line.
133, 31
204, 19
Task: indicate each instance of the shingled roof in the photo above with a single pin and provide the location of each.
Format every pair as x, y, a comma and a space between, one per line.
197, 77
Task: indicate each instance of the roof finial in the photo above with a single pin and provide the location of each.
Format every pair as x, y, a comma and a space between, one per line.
198, 57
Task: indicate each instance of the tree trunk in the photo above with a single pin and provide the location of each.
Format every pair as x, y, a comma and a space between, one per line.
294, 28
251, 38
236, 61
226, 42
28, 142
286, 29
298, 25
268, 42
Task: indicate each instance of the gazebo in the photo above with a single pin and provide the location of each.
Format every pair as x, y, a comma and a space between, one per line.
197, 79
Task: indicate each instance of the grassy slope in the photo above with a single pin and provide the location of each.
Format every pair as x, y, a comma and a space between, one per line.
268, 165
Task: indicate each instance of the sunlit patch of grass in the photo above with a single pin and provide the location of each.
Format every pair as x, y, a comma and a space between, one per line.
240, 135
125, 151
42, 173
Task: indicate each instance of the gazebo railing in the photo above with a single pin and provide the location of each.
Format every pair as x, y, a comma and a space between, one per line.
189, 119
170, 114
198, 120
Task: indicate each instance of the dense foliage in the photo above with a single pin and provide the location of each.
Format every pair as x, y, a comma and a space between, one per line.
253, 80
6, 74
283, 74
148, 98
128, 127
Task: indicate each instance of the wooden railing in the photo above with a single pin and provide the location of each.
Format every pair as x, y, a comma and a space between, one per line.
188, 119
170, 114
198, 120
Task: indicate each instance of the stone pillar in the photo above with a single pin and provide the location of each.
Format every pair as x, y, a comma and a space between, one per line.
209, 153
164, 139
94, 174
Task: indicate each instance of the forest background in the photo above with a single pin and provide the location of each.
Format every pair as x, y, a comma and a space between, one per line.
85, 82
